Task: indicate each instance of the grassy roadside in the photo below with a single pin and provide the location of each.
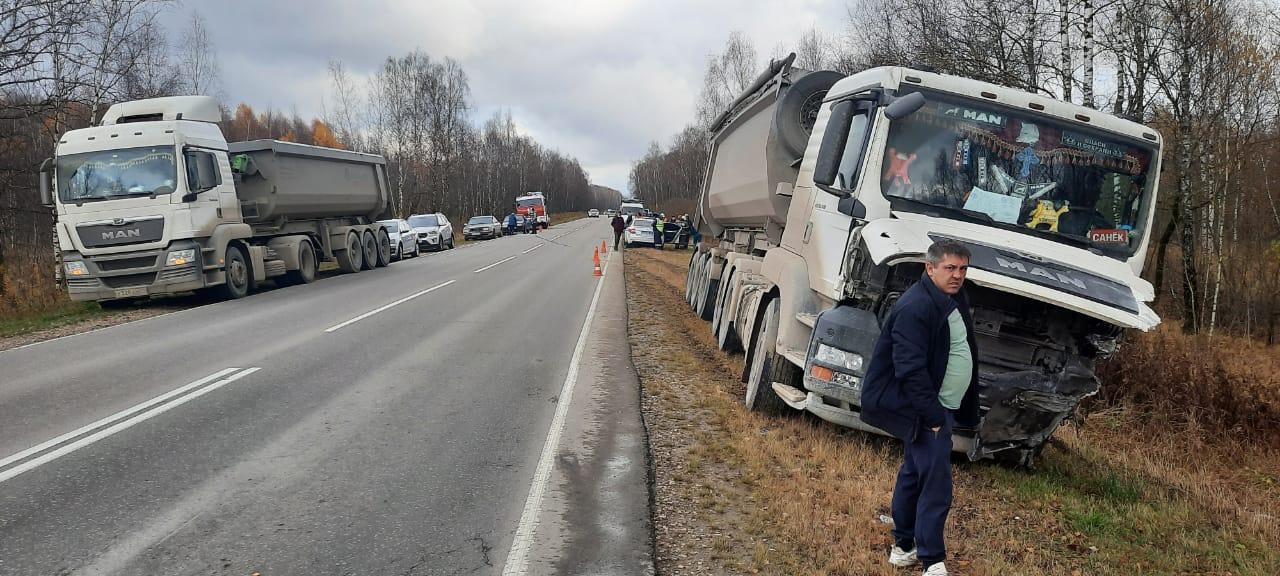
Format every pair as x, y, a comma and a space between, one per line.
740, 493
68, 313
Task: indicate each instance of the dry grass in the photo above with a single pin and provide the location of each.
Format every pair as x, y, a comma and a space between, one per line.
737, 492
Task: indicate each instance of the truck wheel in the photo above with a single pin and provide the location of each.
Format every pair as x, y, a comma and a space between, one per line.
766, 366
798, 109
370, 244
726, 338
717, 311
695, 272
384, 248
351, 259
307, 265
238, 274
707, 293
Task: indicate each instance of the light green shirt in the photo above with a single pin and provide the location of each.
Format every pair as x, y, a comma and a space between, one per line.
955, 382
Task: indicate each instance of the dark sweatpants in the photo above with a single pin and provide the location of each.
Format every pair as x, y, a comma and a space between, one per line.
922, 495
617, 239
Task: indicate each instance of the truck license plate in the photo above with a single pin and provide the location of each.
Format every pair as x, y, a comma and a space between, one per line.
128, 292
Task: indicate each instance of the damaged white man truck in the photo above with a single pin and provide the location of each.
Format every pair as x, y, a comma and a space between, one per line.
823, 192
155, 201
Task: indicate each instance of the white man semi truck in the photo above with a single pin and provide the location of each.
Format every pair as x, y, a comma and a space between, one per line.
156, 201
823, 192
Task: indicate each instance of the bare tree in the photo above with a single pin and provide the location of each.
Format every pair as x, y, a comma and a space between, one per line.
198, 57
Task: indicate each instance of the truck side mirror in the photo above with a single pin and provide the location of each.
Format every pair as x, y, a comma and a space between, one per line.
904, 106
46, 183
833, 142
850, 206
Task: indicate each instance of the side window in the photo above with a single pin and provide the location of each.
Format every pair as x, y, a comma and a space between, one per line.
854, 151
202, 171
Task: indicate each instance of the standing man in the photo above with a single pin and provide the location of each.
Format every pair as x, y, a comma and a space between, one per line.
657, 231
923, 378
619, 224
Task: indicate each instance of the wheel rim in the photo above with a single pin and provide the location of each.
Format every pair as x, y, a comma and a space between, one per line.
237, 272
355, 251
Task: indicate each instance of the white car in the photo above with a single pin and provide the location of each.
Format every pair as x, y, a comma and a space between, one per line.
593, 213
434, 231
404, 239
639, 231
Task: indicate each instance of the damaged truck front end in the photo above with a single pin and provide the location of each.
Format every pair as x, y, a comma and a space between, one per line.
1035, 357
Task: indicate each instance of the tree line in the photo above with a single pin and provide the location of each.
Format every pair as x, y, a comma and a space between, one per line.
64, 62
1202, 72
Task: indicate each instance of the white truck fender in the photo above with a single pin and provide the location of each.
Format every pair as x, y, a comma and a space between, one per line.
789, 273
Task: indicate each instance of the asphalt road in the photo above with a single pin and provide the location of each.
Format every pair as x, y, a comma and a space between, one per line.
386, 422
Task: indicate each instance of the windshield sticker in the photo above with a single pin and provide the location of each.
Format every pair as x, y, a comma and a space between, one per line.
999, 207
1097, 146
1046, 215
899, 164
1111, 236
982, 172
973, 115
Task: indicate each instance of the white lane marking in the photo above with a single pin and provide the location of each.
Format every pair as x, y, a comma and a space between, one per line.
112, 418
396, 303
123, 425
518, 557
495, 264
531, 249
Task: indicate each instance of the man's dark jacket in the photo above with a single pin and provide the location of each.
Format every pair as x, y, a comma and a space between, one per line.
618, 223
900, 392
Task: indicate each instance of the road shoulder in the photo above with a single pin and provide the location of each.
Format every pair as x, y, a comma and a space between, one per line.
595, 518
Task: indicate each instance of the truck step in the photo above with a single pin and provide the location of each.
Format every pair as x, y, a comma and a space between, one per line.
794, 397
273, 268
810, 320
796, 357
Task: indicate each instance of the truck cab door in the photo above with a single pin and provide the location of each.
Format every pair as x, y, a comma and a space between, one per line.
210, 189
827, 230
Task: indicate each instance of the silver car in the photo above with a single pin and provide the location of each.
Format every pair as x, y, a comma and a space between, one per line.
434, 231
404, 239
640, 231
482, 227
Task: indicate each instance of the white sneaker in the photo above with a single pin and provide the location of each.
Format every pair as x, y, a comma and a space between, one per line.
938, 569
901, 559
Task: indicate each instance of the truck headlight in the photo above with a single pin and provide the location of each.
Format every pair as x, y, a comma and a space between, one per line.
837, 357
76, 268
180, 257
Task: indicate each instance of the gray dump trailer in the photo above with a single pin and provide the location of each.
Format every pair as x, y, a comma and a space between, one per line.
167, 205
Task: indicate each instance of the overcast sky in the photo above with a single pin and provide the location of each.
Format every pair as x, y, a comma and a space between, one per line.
597, 80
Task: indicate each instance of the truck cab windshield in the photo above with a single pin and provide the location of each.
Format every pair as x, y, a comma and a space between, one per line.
525, 202
1026, 172
144, 171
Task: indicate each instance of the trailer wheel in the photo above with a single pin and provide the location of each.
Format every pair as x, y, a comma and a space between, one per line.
689, 276
351, 259
726, 338
239, 274
717, 310
370, 245
307, 265
384, 248
707, 296
766, 366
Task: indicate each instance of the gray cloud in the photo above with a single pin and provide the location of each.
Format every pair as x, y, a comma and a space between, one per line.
598, 80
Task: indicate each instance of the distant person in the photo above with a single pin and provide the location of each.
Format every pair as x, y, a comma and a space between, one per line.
511, 223
657, 231
922, 379
619, 224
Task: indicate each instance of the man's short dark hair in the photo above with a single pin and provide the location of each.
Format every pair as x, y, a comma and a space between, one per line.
943, 248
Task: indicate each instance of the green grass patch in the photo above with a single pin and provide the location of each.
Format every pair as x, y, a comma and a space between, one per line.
66, 314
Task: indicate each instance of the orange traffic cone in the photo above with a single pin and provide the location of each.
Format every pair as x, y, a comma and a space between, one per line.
604, 249
596, 258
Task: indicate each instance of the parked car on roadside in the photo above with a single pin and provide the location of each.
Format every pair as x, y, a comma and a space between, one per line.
610, 213
482, 227
593, 213
404, 239
639, 231
434, 231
